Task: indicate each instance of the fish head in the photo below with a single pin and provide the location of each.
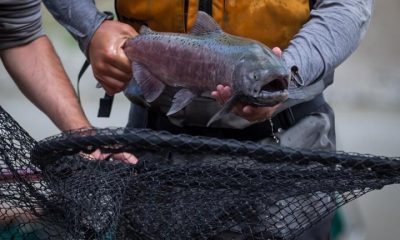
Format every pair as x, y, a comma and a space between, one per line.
261, 78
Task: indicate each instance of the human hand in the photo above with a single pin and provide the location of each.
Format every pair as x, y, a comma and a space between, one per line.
111, 67
123, 157
248, 112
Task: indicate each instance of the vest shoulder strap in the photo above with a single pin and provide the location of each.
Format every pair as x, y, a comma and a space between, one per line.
206, 6
312, 3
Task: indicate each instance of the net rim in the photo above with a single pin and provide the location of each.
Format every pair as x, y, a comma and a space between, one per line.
114, 140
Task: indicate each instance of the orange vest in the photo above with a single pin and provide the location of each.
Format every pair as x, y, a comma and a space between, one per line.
272, 22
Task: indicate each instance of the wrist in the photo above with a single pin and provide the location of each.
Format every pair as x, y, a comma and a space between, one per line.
85, 42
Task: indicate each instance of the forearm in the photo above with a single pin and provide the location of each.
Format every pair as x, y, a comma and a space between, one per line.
80, 17
329, 37
41, 77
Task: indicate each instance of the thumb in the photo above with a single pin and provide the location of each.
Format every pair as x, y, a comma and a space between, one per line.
277, 51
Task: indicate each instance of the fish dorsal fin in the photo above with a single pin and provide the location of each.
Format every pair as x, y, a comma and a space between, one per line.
204, 24
145, 30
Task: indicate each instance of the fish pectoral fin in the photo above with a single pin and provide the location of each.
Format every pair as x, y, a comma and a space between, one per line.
226, 108
204, 24
134, 93
150, 86
181, 99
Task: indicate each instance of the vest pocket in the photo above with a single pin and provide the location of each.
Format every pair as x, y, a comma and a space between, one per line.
165, 16
271, 22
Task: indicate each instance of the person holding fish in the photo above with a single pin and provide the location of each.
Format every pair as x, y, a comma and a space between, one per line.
187, 72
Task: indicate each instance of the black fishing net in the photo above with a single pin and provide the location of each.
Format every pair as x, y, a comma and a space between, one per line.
183, 187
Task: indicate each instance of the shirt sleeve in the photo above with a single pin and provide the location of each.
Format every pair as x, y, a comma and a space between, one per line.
80, 17
333, 32
20, 23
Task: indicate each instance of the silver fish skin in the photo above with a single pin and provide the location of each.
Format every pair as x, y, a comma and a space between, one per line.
200, 60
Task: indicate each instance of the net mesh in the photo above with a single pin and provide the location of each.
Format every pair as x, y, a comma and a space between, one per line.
183, 187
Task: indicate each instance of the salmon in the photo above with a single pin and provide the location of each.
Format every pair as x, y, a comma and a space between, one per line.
196, 62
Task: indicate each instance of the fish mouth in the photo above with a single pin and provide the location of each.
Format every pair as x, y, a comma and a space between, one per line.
272, 93
277, 84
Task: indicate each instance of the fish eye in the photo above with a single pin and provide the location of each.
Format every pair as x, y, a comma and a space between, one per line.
255, 76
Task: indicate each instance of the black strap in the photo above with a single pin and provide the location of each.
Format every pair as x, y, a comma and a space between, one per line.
105, 106
206, 6
312, 3
80, 74
107, 101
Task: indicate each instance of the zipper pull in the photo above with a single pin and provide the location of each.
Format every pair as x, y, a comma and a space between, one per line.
295, 77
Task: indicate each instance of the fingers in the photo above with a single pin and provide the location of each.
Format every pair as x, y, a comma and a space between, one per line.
123, 157
94, 155
222, 94
226, 92
277, 51
251, 114
254, 114
258, 114
113, 80
122, 61
110, 64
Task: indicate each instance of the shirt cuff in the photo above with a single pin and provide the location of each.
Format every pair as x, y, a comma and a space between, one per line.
85, 40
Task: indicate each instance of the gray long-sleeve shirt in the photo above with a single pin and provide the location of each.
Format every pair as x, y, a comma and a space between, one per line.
80, 17
20, 22
333, 32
